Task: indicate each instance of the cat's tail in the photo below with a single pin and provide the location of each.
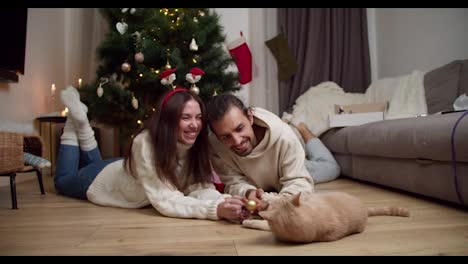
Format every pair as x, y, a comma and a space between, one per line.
388, 210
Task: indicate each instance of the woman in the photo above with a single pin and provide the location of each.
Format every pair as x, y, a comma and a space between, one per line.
168, 165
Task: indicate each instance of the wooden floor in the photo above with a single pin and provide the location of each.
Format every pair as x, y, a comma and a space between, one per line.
55, 225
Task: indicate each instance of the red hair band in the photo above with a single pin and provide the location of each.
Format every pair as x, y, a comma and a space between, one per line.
176, 90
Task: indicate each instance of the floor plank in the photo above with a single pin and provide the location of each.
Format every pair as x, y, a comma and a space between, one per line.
52, 224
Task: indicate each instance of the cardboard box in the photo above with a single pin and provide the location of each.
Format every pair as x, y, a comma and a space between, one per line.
345, 120
357, 114
361, 108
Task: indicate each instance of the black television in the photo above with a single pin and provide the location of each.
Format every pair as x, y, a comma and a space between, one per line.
13, 24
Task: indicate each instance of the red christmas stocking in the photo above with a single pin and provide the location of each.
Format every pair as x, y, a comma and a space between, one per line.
240, 52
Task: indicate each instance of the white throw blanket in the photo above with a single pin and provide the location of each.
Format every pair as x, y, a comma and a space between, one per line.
405, 95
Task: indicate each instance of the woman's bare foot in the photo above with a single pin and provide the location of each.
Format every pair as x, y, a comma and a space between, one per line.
305, 132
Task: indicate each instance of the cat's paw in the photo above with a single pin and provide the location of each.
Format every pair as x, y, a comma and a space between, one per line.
256, 224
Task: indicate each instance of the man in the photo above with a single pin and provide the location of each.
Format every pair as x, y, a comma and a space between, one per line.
255, 151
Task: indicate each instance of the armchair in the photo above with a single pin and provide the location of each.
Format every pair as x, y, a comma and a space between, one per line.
12, 149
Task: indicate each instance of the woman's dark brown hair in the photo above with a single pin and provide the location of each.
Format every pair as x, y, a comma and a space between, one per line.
163, 128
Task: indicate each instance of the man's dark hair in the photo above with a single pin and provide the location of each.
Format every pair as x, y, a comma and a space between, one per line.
219, 105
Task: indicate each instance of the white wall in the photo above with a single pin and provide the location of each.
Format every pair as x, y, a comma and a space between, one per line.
263, 90
59, 49
58, 44
233, 21
408, 39
257, 26
25, 100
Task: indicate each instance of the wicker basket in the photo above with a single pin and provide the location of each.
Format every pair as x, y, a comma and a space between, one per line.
11, 152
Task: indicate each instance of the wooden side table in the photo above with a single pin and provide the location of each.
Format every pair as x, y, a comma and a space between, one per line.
51, 146
50, 120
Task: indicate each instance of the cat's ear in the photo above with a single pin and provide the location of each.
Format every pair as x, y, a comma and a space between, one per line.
266, 214
296, 199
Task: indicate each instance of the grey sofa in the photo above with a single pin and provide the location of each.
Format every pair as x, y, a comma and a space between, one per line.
413, 154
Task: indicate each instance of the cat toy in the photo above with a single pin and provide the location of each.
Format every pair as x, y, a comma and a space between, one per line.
249, 210
251, 205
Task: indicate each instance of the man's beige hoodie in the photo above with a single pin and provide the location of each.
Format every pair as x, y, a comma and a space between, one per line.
276, 164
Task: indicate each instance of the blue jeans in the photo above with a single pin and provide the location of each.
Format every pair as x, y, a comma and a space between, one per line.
320, 163
77, 169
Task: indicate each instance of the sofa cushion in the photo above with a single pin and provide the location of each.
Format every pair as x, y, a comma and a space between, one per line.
441, 87
431, 179
424, 138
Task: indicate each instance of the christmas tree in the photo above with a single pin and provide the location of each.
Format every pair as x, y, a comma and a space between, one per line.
141, 45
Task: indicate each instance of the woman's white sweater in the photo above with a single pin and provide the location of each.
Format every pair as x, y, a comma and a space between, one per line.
114, 186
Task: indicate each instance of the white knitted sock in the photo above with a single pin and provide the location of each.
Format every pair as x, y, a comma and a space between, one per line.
86, 137
77, 94
71, 99
69, 136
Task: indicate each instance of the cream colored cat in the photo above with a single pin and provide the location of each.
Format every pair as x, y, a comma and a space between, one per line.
318, 217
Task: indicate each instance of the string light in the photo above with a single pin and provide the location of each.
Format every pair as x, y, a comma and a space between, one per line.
52, 91
141, 74
64, 112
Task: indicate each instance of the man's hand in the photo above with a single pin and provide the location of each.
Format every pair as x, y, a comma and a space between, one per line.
256, 195
231, 208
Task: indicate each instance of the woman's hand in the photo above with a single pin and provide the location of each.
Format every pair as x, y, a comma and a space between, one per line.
256, 195
231, 208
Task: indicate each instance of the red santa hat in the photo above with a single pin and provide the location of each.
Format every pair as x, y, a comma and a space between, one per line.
166, 73
168, 76
194, 75
197, 71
